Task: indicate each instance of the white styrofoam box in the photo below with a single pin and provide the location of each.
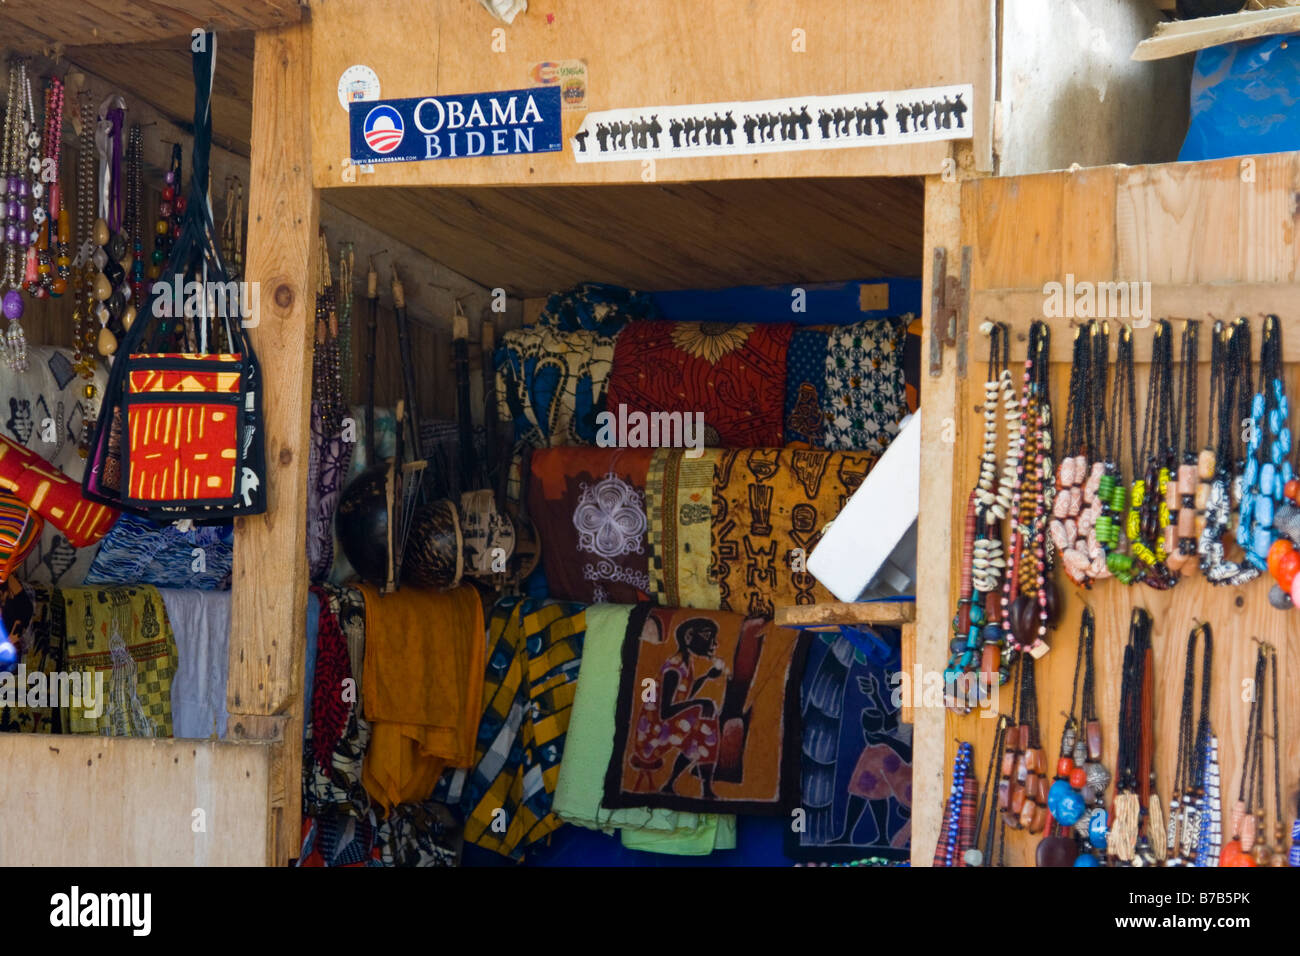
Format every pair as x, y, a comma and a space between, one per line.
856, 547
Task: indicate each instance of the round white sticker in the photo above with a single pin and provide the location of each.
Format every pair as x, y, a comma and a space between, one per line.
357, 84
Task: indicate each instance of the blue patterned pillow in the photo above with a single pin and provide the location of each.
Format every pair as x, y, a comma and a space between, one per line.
139, 551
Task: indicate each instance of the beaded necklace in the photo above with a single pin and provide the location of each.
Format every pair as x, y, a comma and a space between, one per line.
1234, 407
1113, 491
1029, 599
1187, 801
1143, 521
1237, 851
133, 223
1124, 842
976, 640
83, 282
21, 163
1268, 467
1022, 791
326, 386
949, 850
47, 202
1180, 496
170, 210
1070, 523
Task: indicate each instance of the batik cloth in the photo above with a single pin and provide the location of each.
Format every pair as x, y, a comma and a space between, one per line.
137, 550
420, 834
337, 785
770, 506
719, 733
589, 507
535, 650
856, 759
679, 511
333, 686
590, 743
44, 409
201, 626
805, 387
40, 648
123, 633
596, 307
866, 396
551, 384
327, 465
339, 840
731, 373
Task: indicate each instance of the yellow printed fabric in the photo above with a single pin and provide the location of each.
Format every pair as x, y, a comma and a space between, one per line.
679, 508
535, 650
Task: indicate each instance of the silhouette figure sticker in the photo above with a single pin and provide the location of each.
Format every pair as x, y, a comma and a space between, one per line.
764, 126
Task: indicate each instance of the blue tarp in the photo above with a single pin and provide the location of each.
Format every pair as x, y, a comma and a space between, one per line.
1244, 98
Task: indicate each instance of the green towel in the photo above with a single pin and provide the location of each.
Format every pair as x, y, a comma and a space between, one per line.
589, 745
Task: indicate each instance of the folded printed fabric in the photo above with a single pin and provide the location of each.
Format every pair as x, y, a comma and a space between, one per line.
720, 732
856, 759
596, 307
124, 635
46, 410
423, 684
589, 745
770, 506
338, 839
532, 674
805, 387
200, 623
731, 373
866, 395
137, 550
589, 506
551, 384
679, 514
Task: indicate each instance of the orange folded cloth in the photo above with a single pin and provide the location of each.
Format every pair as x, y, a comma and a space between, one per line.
422, 686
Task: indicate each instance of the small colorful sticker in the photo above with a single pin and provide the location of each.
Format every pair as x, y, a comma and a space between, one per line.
569, 75
358, 84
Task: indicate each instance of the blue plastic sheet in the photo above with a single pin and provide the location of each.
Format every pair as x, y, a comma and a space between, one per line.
1244, 98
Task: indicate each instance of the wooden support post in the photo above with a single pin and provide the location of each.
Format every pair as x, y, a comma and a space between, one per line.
929, 651
268, 614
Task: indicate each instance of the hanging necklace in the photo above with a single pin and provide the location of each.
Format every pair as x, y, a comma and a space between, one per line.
1126, 842
976, 639
47, 200
1267, 465
1029, 599
976, 856
1237, 851
170, 210
1234, 407
83, 270
1070, 523
1180, 496
22, 162
1142, 523
949, 851
1113, 491
1022, 789
1186, 831
132, 225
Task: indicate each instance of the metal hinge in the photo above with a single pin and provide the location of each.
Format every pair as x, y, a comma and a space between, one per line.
949, 310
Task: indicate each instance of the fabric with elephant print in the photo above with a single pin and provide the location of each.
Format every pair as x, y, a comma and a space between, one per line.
45, 410
770, 506
856, 759
707, 716
883, 118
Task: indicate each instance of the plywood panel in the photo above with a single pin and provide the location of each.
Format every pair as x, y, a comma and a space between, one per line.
648, 54
105, 801
532, 241
1157, 223
40, 25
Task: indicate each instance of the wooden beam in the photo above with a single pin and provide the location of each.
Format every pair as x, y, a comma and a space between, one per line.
1176, 37
830, 614
43, 26
940, 513
269, 609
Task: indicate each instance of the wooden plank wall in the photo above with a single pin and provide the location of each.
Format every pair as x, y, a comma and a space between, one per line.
648, 54
108, 801
1185, 226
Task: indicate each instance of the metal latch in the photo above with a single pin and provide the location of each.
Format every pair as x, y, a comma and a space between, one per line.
949, 310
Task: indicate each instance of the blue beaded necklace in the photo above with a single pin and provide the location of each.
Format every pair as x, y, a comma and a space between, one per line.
1268, 467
